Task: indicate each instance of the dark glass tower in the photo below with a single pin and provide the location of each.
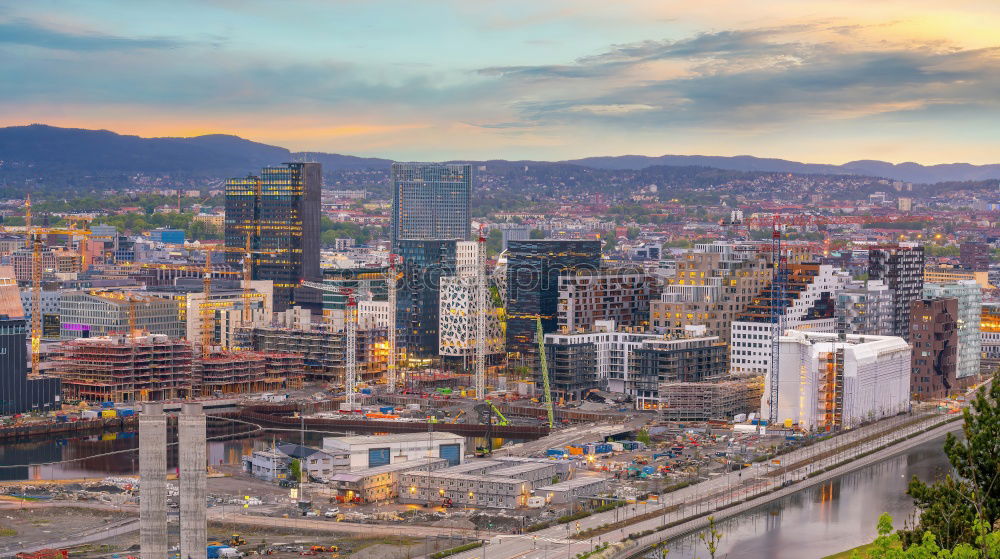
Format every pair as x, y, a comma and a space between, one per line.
533, 270
430, 201
418, 296
280, 210
901, 268
18, 393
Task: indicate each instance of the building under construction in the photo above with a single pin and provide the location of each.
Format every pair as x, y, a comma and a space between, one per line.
702, 401
124, 369
155, 367
323, 351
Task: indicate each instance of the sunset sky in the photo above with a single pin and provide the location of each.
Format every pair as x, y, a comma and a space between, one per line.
812, 80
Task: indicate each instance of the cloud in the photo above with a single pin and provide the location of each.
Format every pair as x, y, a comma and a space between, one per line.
25, 32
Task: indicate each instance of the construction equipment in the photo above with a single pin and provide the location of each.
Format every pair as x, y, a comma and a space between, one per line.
503, 420
777, 317
481, 317
454, 420
236, 540
351, 338
392, 279
543, 364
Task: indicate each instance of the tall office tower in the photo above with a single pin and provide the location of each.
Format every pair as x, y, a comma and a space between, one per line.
191, 436
901, 268
280, 210
430, 201
970, 305
865, 309
809, 304
974, 255
533, 270
20, 393
425, 262
713, 283
153, 472
935, 348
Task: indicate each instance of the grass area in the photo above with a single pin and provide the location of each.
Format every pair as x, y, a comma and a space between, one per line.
847, 554
7, 532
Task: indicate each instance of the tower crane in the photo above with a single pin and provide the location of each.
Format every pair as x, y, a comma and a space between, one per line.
392, 277
543, 364
481, 309
350, 338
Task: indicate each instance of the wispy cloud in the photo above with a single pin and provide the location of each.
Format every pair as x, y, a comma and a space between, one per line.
25, 32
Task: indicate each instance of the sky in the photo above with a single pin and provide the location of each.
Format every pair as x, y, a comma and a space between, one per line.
821, 81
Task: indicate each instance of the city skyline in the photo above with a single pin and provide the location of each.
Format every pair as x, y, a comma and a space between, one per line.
899, 81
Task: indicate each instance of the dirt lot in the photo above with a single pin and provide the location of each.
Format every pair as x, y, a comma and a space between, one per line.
30, 525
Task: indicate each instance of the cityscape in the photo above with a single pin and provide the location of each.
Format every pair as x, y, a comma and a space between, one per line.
440, 309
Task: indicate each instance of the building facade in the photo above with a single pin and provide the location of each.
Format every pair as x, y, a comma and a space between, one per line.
280, 211
84, 314
589, 296
533, 270
431, 201
901, 268
612, 348
934, 337
866, 309
663, 361
970, 301
418, 297
827, 382
974, 255
989, 328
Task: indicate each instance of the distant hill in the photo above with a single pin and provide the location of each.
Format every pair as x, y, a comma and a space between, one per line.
909, 172
47, 149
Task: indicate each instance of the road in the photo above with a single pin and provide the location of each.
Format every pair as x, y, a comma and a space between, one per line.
322, 525
758, 483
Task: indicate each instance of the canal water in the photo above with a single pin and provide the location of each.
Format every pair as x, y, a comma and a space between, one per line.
825, 519
114, 453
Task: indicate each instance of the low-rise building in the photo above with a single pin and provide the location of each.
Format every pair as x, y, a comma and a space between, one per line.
365, 452
567, 491
373, 485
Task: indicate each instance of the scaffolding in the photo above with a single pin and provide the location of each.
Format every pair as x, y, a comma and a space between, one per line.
124, 369
702, 401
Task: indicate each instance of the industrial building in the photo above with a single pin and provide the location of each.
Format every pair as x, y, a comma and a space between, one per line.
829, 382
808, 303
711, 286
87, 314
970, 300
364, 452
588, 296
703, 401
934, 335
280, 211
381, 483
568, 491
660, 361
901, 268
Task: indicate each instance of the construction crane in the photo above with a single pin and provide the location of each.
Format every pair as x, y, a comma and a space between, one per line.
543, 364
392, 279
350, 338
481, 308
777, 317
503, 420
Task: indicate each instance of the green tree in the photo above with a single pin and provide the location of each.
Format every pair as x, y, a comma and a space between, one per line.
633, 233
711, 538
295, 469
643, 437
950, 508
889, 545
494, 241
537, 234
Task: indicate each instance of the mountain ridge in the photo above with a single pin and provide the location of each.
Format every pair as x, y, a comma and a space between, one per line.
85, 150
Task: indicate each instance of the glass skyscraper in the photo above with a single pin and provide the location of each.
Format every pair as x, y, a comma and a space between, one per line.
280, 210
418, 298
430, 201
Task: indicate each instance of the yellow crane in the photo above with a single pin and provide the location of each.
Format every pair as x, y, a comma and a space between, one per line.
543, 363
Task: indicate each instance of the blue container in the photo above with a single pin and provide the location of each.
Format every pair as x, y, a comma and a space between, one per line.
555, 452
366, 390
603, 448
648, 470
126, 413
62, 419
386, 409
213, 551
107, 405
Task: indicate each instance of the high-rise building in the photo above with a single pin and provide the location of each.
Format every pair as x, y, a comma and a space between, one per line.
458, 309
280, 211
809, 304
970, 301
431, 201
901, 268
935, 348
865, 309
418, 296
620, 295
828, 383
712, 284
612, 351
533, 270
974, 255
18, 392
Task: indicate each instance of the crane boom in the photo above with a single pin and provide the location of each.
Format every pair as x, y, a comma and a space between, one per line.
503, 420
391, 358
777, 319
481, 317
543, 363
351, 339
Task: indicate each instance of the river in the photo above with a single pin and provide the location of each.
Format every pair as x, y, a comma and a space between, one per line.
825, 519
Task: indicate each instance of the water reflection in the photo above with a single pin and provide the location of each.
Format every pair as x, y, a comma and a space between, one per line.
828, 518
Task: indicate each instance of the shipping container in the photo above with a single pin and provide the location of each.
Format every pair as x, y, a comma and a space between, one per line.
126, 412
109, 413
107, 404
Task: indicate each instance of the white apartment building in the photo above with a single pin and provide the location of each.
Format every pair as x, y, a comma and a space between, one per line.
827, 384
810, 304
613, 351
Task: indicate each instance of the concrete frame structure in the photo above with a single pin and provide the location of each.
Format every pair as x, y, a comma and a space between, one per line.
192, 435
153, 476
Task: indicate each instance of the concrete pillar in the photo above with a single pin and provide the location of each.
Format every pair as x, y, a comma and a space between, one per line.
152, 482
193, 481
